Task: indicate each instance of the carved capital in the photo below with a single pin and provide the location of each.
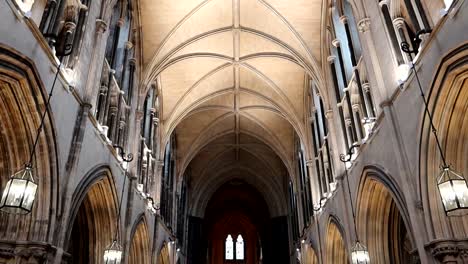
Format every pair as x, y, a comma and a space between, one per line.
336, 43
101, 26
128, 45
366, 87
139, 115
331, 59
448, 250
364, 25
344, 19
121, 22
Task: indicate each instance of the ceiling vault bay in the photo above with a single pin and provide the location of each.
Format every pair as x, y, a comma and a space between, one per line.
232, 76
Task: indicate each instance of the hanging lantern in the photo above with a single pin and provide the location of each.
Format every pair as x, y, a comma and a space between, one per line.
454, 192
19, 193
359, 254
113, 254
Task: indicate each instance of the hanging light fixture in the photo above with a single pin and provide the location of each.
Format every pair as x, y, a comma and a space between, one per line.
113, 254
359, 253
453, 191
20, 191
452, 186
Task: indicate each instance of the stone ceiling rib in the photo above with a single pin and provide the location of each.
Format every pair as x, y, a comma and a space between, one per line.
232, 68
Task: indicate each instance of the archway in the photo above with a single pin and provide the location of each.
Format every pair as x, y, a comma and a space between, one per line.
335, 245
22, 99
308, 254
448, 101
381, 225
94, 224
164, 257
238, 224
140, 251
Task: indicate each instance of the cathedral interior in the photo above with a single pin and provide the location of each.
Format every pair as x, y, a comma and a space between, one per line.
234, 131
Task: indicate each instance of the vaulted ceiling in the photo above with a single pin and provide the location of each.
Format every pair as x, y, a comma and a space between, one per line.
233, 76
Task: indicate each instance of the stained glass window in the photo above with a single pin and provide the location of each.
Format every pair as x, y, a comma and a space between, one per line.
229, 248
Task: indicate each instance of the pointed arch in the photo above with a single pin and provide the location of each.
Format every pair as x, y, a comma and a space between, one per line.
22, 100
140, 250
382, 219
336, 251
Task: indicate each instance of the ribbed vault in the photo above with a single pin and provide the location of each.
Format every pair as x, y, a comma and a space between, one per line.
231, 78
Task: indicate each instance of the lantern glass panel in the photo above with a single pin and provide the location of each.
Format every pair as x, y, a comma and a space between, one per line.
448, 196
19, 193
461, 191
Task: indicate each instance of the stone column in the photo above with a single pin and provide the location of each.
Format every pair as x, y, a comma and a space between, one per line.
95, 65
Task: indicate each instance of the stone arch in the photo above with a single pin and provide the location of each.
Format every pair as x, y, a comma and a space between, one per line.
447, 99
336, 251
140, 250
164, 256
22, 100
92, 224
309, 255
382, 219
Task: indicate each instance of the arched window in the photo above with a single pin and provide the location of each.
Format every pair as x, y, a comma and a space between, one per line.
79, 33
403, 22
117, 50
229, 248
240, 248
321, 145
234, 250
293, 211
167, 182
65, 19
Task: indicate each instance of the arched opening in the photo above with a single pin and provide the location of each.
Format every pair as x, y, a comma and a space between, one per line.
335, 245
94, 224
140, 251
237, 224
164, 257
381, 225
448, 99
22, 100
309, 256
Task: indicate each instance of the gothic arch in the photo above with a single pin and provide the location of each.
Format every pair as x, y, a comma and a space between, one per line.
447, 98
309, 255
22, 100
92, 223
336, 251
140, 250
382, 219
164, 256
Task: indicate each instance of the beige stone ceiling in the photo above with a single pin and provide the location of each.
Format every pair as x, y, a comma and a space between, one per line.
234, 71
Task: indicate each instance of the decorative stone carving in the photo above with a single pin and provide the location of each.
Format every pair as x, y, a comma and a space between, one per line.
101, 26
364, 25
449, 250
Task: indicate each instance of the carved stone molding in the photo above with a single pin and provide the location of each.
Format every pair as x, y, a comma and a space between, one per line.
25, 251
449, 250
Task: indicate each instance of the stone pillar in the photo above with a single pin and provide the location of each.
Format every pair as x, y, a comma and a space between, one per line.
95, 65
159, 164
402, 35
